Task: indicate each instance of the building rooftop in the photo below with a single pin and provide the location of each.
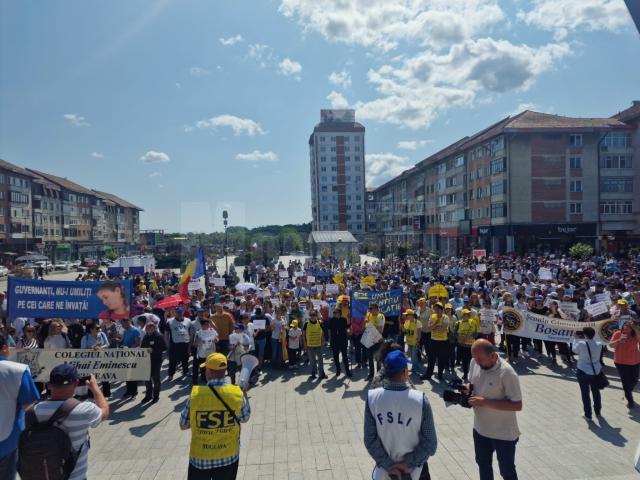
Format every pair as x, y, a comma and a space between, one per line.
331, 236
631, 113
63, 182
528, 120
117, 200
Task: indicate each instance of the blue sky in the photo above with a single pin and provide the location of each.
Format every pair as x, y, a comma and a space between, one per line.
189, 107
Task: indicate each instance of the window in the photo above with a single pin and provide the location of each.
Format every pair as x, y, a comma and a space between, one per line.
616, 207
322, 139
1, 195
575, 208
499, 188
575, 162
575, 186
616, 140
499, 165
615, 161
498, 210
323, 148
333, 139
459, 162
346, 148
452, 181
356, 148
575, 140
333, 149
615, 185
323, 159
442, 168
2, 227
18, 197
334, 169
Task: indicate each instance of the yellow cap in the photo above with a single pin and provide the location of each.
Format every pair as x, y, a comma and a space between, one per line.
439, 304
448, 305
215, 361
408, 311
422, 299
342, 298
466, 311
294, 323
622, 301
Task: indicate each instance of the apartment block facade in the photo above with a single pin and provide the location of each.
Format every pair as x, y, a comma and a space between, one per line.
530, 182
62, 219
336, 151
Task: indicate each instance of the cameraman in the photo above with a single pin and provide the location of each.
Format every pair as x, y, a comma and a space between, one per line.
398, 424
496, 398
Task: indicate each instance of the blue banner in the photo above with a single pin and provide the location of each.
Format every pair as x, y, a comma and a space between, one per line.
389, 302
67, 299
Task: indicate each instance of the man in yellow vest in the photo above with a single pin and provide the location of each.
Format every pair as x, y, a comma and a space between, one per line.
412, 329
214, 413
313, 342
466, 331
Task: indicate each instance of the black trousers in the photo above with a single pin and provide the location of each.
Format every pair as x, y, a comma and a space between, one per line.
221, 473
131, 388
340, 348
464, 353
439, 351
178, 354
361, 352
629, 379
223, 347
153, 384
513, 346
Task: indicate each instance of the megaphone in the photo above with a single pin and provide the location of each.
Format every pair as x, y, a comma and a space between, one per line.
248, 362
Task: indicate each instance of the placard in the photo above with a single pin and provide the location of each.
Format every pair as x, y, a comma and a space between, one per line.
487, 320
107, 364
283, 274
604, 298
259, 324
218, 282
506, 275
568, 306
596, 309
545, 273
370, 337
481, 267
479, 253
311, 279
517, 277
298, 274
332, 289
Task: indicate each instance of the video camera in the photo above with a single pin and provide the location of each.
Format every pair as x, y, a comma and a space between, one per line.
458, 395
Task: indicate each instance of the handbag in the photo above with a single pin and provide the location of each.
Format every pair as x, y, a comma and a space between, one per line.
600, 380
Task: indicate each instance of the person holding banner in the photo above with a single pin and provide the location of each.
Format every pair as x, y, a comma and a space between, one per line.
154, 341
373, 319
131, 338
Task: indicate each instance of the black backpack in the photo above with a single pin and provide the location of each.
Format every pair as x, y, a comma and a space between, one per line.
44, 450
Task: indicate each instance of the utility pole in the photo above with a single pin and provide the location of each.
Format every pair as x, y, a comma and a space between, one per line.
225, 216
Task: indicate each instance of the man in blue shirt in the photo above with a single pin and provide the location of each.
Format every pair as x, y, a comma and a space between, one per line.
131, 338
17, 392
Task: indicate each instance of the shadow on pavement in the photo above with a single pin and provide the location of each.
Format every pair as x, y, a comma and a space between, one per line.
608, 433
142, 430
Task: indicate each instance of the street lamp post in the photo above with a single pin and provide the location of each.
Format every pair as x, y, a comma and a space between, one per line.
225, 216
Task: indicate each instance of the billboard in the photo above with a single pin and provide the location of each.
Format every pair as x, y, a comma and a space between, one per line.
339, 116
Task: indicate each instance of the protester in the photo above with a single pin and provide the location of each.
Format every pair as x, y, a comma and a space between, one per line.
223, 323
339, 339
412, 330
294, 334
399, 431
205, 341
17, 392
588, 368
439, 347
214, 413
313, 342
154, 341
374, 320
179, 339
495, 399
131, 338
465, 331
97, 340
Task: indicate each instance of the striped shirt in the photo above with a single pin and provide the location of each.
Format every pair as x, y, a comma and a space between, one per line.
76, 425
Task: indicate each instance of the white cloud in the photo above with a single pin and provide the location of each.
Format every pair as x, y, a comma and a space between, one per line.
381, 167
562, 16
155, 174
188, 128
261, 53
412, 144
257, 156
414, 90
155, 157
198, 72
382, 24
240, 126
337, 100
288, 67
341, 79
97, 155
525, 106
76, 120
227, 42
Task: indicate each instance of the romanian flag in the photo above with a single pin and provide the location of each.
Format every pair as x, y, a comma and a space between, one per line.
195, 269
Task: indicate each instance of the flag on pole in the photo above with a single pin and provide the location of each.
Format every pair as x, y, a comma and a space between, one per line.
183, 284
200, 268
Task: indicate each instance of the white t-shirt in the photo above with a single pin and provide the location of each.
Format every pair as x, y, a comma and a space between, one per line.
82, 417
179, 330
294, 338
250, 331
277, 325
206, 342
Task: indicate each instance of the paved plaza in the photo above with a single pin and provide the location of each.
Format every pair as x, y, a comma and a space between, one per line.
312, 430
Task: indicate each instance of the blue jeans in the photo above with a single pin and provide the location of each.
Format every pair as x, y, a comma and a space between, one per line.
586, 383
276, 348
416, 364
8, 466
505, 451
261, 343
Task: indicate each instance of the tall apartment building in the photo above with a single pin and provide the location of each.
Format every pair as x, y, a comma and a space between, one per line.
530, 182
62, 219
336, 151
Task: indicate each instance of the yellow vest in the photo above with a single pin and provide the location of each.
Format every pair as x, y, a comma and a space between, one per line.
214, 433
440, 330
370, 320
313, 334
411, 332
466, 331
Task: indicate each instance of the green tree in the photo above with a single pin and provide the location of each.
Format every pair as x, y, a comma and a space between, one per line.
581, 250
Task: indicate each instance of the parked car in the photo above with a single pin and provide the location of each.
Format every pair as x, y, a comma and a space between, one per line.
48, 266
62, 266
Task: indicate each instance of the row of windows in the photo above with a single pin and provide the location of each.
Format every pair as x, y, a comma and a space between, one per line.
349, 217
345, 138
356, 158
18, 197
615, 161
356, 148
347, 168
358, 178
615, 140
616, 185
616, 207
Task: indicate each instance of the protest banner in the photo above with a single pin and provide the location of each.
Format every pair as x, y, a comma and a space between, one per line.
68, 299
283, 274
604, 298
370, 337
332, 289
298, 274
108, 364
506, 275
259, 324
596, 309
389, 302
218, 282
545, 273
542, 327
487, 320
479, 253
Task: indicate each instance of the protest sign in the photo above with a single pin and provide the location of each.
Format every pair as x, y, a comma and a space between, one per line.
332, 289
568, 307
370, 337
259, 324
544, 273
298, 274
108, 364
283, 274
479, 253
604, 298
481, 267
218, 282
487, 320
317, 304
596, 309
542, 327
517, 277
283, 284
311, 279
389, 302
68, 299
506, 275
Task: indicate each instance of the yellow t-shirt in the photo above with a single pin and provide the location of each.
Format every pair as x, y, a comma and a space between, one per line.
410, 329
439, 327
466, 329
